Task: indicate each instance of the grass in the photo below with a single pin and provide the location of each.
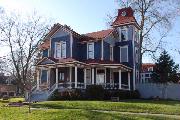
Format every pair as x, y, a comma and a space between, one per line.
82, 110
140, 106
68, 114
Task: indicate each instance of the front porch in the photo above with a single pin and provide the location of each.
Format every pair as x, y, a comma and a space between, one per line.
79, 76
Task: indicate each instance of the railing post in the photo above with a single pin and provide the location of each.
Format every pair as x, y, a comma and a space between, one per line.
56, 77
119, 79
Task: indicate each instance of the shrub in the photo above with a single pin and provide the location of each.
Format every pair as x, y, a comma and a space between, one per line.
67, 95
95, 92
122, 94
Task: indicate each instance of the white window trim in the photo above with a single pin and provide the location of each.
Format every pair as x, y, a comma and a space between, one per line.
136, 55
120, 29
111, 55
88, 50
126, 46
63, 42
55, 53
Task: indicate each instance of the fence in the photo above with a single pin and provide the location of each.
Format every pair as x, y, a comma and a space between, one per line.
152, 90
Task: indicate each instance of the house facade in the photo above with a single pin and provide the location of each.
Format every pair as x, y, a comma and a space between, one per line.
109, 57
146, 74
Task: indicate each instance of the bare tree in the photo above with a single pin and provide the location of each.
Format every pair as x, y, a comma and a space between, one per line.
21, 35
155, 17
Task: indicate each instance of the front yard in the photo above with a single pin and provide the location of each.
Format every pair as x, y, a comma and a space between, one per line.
94, 110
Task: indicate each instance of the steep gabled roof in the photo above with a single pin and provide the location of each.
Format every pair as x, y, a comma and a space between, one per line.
99, 34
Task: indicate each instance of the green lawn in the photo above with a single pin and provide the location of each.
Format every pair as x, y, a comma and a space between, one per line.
145, 106
83, 110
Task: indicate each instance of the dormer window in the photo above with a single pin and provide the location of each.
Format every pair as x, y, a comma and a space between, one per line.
90, 51
60, 49
123, 34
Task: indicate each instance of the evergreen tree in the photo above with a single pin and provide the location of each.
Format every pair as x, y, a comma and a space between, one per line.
165, 70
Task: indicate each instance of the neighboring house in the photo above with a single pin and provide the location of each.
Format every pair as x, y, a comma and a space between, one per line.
8, 90
109, 57
7, 86
146, 74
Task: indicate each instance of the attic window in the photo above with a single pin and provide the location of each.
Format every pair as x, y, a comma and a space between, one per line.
123, 13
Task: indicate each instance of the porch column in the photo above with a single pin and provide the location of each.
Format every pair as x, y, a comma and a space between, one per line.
129, 80
56, 77
84, 78
119, 79
49, 76
70, 76
38, 80
75, 76
93, 76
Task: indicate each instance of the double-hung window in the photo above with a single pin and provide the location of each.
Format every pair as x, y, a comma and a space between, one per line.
123, 34
90, 50
124, 54
60, 49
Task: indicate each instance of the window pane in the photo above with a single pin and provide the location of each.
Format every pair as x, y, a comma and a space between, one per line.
58, 50
123, 35
124, 54
91, 50
64, 50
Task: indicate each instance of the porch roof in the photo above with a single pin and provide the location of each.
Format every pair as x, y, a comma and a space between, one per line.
67, 62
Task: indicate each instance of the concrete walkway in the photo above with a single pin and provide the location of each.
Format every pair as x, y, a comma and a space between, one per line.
125, 113
143, 114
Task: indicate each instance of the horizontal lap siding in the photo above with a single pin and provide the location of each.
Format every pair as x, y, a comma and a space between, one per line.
97, 50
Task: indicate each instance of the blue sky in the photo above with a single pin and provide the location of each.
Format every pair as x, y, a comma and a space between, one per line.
83, 16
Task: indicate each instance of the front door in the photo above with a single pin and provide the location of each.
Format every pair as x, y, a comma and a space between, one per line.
100, 76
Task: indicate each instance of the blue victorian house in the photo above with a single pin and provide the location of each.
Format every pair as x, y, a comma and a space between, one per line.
72, 61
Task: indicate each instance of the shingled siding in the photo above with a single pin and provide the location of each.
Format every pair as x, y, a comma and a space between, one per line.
97, 50
106, 51
58, 39
76, 49
130, 33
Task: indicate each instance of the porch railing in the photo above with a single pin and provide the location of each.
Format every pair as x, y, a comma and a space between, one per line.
80, 85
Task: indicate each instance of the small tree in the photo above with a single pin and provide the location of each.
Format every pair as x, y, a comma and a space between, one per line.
165, 69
